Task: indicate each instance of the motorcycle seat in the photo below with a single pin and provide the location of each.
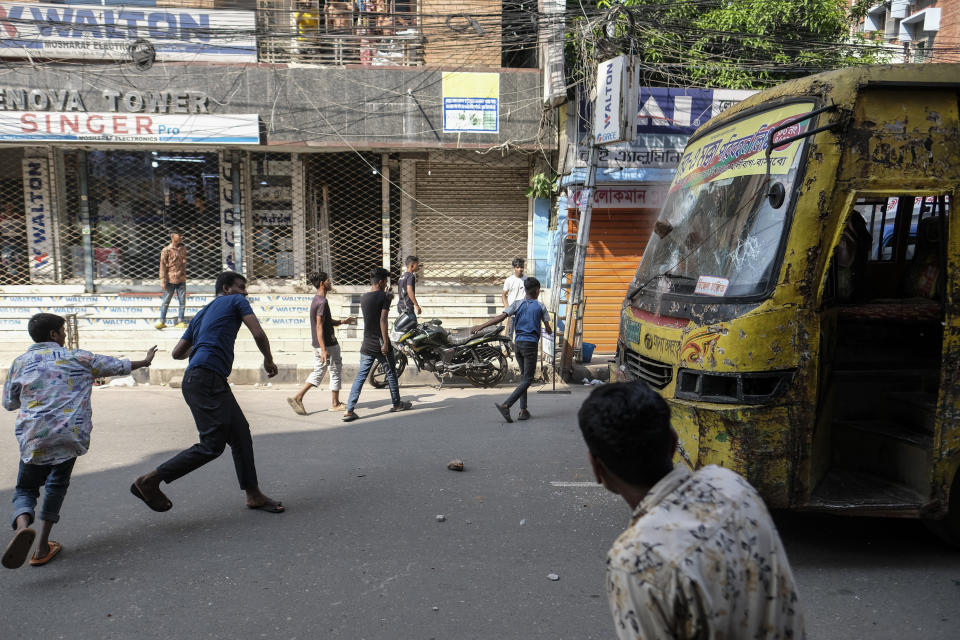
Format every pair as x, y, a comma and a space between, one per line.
463, 336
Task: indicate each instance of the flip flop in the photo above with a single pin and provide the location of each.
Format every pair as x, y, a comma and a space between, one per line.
297, 406
157, 502
271, 506
55, 548
19, 548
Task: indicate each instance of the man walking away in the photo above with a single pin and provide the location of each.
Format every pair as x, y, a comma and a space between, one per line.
528, 314
701, 557
209, 342
326, 350
513, 290
51, 387
375, 305
407, 286
173, 278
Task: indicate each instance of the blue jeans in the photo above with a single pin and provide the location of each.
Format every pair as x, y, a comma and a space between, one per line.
168, 291
366, 363
527, 359
56, 478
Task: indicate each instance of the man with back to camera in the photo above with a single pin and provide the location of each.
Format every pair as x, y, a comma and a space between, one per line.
375, 305
701, 557
407, 290
209, 342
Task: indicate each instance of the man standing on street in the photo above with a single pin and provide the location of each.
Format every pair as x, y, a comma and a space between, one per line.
326, 350
173, 278
513, 290
701, 557
209, 342
375, 305
407, 286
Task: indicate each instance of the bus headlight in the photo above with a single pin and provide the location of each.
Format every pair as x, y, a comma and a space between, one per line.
732, 388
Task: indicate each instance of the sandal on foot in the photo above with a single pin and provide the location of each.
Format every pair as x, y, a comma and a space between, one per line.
19, 548
270, 506
156, 501
402, 406
297, 406
504, 411
523, 415
339, 407
53, 548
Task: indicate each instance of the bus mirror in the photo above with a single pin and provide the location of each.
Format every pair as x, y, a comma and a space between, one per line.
777, 195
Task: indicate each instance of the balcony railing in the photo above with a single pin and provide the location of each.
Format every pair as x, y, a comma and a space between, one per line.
339, 35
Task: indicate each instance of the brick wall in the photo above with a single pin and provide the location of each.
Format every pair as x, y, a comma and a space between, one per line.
946, 44
461, 45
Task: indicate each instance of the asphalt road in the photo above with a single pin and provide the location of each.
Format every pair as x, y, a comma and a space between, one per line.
360, 553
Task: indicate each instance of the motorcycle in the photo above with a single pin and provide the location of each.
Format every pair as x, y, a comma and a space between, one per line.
481, 357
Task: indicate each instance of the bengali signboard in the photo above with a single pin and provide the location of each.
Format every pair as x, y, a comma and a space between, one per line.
739, 149
646, 196
471, 102
664, 120
36, 30
61, 126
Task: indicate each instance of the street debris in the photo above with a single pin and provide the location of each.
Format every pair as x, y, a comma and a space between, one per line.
436, 608
553, 576
455, 465
126, 381
594, 382
523, 522
441, 517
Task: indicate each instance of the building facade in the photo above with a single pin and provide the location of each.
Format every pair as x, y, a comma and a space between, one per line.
916, 30
279, 138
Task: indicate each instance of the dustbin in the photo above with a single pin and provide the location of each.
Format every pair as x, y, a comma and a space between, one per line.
586, 350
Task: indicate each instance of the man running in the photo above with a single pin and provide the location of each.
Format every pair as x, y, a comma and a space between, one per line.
208, 342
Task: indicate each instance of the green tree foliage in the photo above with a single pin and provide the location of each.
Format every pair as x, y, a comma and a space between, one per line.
738, 44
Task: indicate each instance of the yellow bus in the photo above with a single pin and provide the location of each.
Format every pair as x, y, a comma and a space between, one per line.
797, 304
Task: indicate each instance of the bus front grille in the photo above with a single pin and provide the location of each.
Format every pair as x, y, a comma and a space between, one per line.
656, 374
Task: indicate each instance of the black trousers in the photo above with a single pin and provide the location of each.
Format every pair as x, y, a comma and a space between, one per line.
220, 422
526, 353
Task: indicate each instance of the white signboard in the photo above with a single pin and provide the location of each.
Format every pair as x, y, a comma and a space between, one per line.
35, 30
471, 102
647, 196
66, 126
230, 216
613, 86
36, 202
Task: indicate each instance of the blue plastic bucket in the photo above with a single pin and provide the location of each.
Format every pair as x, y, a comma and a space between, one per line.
587, 352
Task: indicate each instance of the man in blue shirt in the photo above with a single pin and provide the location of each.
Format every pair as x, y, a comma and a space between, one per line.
208, 342
528, 314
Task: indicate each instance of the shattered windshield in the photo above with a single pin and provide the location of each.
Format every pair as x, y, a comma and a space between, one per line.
720, 230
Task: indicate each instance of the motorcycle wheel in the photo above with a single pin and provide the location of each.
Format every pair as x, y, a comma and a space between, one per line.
491, 372
378, 373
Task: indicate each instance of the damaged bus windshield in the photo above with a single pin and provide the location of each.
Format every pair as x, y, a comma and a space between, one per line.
720, 231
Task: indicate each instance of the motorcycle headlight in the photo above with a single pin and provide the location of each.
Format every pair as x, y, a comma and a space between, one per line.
732, 388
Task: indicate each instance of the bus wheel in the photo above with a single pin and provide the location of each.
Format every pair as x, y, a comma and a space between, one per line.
948, 527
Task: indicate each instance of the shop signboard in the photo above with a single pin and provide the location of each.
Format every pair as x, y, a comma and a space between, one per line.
37, 204
64, 126
94, 32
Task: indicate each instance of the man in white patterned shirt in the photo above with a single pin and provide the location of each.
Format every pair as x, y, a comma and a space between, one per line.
701, 557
